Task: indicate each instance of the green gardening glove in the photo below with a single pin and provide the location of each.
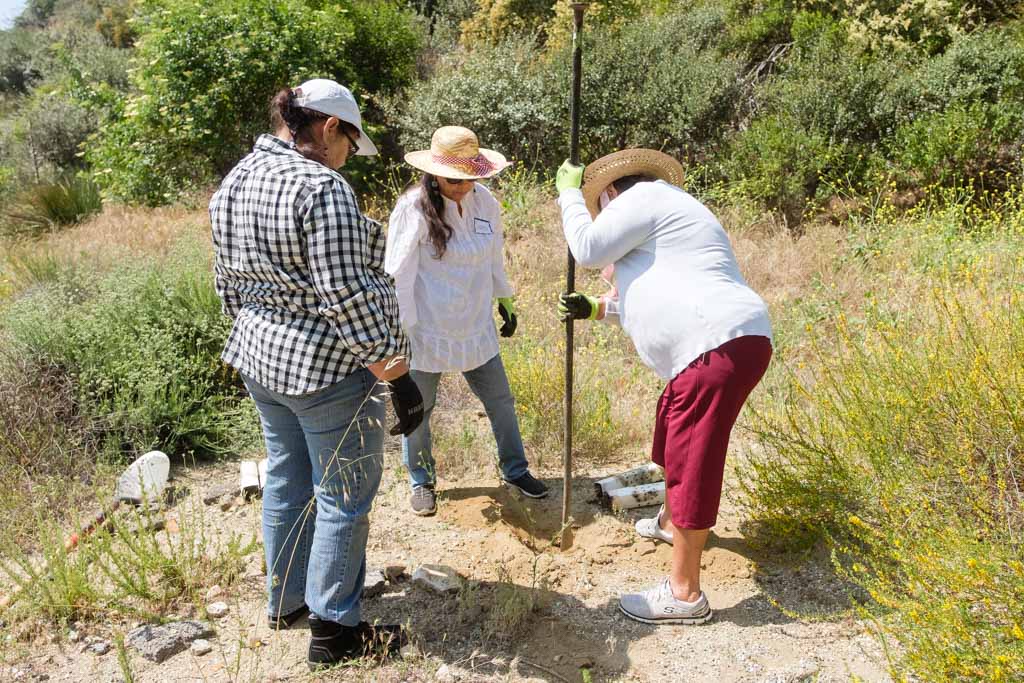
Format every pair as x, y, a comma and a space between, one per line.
577, 306
569, 176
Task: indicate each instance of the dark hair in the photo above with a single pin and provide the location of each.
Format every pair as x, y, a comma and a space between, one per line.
628, 181
431, 205
299, 121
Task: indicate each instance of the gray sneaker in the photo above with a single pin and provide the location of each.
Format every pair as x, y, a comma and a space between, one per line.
657, 605
423, 501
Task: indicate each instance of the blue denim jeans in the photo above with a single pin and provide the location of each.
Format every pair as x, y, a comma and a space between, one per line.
490, 384
325, 456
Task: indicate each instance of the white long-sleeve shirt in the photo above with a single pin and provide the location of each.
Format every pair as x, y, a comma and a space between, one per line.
681, 293
446, 304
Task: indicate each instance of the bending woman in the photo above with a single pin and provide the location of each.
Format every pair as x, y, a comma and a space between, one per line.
316, 332
445, 253
694, 321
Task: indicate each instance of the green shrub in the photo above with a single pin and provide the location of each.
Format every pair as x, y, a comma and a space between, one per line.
48, 206
901, 449
141, 346
516, 97
19, 69
207, 70
961, 143
56, 127
987, 66
498, 91
779, 163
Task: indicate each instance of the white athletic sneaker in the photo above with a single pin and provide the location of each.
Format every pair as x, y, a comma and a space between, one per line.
650, 527
657, 605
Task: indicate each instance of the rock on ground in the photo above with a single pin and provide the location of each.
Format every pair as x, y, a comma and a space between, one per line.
437, 577
217, 609
157, 643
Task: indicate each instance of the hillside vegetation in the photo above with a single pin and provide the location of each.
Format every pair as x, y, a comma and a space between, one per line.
865, 157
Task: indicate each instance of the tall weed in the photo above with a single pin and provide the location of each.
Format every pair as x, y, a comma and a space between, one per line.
902, 450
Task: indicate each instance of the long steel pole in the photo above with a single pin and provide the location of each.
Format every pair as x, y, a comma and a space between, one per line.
578, 8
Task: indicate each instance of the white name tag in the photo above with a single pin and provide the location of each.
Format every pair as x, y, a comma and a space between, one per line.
482, 227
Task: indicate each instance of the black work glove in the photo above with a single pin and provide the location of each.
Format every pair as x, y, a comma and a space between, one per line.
408, 403
577, 306
507, 311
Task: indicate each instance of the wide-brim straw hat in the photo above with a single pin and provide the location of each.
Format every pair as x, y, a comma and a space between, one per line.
455, 152
638, 161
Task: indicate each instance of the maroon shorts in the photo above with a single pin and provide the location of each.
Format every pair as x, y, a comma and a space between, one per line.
696, 413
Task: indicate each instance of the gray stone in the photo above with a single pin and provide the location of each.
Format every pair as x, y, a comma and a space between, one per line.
437, 577
157, 643
74, 636
100, 648
374, 583
217, 609
201, 647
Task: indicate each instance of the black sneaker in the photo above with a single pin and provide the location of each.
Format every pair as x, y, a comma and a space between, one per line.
423, 501
529, 486
281, 622
333, 643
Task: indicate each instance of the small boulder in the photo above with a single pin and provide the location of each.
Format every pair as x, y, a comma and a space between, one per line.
157, 643
100, 648
201, 647
374, 584
437, 577
216, 610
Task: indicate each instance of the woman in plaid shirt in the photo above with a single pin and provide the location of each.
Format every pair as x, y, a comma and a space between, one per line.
316, 334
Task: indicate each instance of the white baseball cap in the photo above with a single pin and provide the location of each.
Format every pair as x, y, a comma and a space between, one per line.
331, 98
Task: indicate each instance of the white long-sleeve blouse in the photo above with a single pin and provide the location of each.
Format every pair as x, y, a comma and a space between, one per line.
680, 289
446, 304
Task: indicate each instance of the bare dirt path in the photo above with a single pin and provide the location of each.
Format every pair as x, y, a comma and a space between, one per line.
529, 612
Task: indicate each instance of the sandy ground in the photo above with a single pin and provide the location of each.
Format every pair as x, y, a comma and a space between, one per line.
486, 632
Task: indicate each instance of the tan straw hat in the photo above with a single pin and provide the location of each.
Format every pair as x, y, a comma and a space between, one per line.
606, 170
455, 152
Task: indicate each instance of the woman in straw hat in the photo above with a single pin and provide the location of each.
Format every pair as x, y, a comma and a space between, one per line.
693, 319
445, 252
316, 332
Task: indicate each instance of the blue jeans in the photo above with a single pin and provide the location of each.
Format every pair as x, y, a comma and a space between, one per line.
325, 456
490, 384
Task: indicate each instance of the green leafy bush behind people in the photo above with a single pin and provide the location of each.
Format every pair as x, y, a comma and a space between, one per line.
206, 72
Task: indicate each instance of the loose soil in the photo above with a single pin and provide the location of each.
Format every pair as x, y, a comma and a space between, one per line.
502, 545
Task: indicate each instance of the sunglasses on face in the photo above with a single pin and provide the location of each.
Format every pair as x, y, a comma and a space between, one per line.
458, 181
354, 146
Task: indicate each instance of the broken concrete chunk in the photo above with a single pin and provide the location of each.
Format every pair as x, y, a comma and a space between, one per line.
157, 643
437, 577
374, 583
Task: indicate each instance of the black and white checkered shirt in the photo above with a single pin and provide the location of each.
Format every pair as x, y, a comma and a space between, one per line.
301, 271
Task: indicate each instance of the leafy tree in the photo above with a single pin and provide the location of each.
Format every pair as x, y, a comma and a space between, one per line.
206, 70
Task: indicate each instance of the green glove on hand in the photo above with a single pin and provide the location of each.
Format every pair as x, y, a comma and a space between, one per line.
577, 307
569, 176
507, 311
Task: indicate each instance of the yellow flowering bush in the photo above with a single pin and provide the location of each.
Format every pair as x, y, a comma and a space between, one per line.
900, 446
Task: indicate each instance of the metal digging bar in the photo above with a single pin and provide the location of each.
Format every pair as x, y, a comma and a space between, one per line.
578, 8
